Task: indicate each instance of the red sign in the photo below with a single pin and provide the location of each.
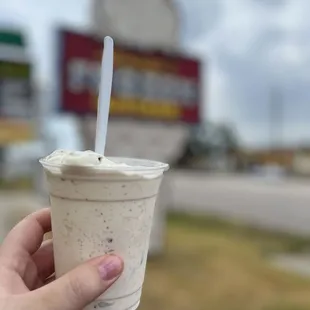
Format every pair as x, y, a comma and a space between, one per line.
146, 84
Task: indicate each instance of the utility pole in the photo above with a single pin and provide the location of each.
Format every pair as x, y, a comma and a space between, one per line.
276, 113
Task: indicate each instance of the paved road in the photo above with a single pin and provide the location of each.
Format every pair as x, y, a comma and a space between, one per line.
281, 204
276, 204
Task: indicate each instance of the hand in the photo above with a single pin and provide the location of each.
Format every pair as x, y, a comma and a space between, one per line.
27, 266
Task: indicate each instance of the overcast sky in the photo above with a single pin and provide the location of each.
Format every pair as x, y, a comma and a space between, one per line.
250, 47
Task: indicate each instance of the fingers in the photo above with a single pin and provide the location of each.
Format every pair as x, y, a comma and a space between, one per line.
81, 286
44, 260
49, 280
24, 240
27, 235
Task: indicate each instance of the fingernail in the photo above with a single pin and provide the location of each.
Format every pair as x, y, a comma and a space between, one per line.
110, 267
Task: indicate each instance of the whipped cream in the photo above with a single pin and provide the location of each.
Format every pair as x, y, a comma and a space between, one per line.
80, 158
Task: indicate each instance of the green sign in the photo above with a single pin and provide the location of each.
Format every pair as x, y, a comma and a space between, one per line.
11, 37
15, 90
14, 70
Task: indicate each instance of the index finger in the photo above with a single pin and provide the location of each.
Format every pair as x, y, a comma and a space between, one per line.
28, 234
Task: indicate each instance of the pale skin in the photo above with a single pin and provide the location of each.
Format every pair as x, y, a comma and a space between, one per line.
27, 268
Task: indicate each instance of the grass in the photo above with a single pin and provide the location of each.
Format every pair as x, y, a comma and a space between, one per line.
211, 264
16, 184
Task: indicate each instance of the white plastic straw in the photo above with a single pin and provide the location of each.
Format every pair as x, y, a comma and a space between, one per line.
104, 95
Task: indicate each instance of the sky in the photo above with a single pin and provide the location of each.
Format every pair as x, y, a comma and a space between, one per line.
253, 51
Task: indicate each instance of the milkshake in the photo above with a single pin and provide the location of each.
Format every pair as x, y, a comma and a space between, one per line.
103, 206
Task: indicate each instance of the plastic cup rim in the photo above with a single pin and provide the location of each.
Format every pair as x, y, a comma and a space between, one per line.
154, 165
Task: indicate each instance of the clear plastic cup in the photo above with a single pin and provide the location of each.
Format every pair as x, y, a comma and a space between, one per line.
104, 210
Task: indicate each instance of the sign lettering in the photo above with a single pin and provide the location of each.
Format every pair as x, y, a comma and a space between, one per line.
146, 85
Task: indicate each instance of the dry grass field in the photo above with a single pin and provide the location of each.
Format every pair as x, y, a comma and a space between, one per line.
209, 264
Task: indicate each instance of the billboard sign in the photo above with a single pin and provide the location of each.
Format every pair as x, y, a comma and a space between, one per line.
147, 84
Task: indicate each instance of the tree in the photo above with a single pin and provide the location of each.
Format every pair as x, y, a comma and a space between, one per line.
208, 139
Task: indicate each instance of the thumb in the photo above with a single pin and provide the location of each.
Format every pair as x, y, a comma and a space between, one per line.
81, 286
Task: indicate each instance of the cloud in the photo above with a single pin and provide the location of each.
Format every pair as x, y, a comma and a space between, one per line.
198, 17
252, 47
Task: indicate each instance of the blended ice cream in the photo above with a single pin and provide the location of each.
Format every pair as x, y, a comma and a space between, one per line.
99, 206
80, 158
